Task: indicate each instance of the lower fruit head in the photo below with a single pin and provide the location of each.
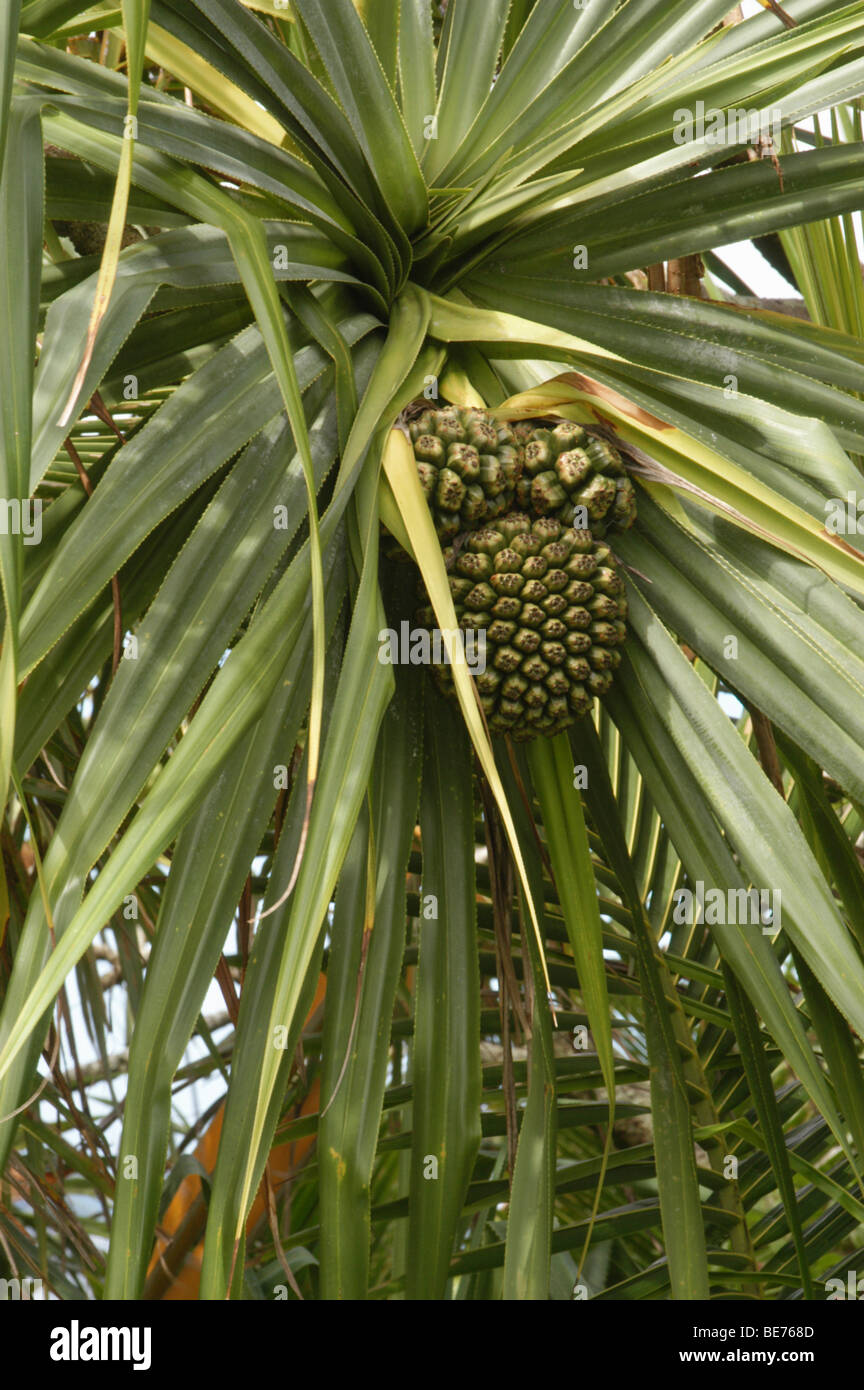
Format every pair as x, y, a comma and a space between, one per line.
546, 605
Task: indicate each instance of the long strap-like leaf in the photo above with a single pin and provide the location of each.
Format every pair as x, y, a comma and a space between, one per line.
366, 956
446, 1052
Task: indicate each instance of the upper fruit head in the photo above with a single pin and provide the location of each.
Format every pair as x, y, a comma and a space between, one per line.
468, 467
574, 476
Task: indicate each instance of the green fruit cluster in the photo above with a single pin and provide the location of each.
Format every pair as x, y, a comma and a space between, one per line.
565, 468
552, 605
522, 513
473, 470
468, 467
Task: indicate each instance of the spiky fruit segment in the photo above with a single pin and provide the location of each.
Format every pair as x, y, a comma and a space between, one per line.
565, 467
468, 467
552, 605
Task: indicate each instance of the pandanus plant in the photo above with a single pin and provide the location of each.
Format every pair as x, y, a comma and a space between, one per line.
303, 225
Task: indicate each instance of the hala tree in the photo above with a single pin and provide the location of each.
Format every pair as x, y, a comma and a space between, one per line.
242, 242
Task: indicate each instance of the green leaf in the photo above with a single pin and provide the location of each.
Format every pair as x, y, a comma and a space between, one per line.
564, 61
470, 57
797, 637
445, 1059
761, 1092
189, 260
839, 1050
833, 849
678, 795
357, 1030
755, 818
665, 1030
417, 92
21, 226
208, 868
564, 824
381, 22
136, 15
364, 690
288, 89
699, 342
685, 217
361, 86
530, 1217
130, 500
57, 682
235, 699
408, 517
8, 40
256, 1039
